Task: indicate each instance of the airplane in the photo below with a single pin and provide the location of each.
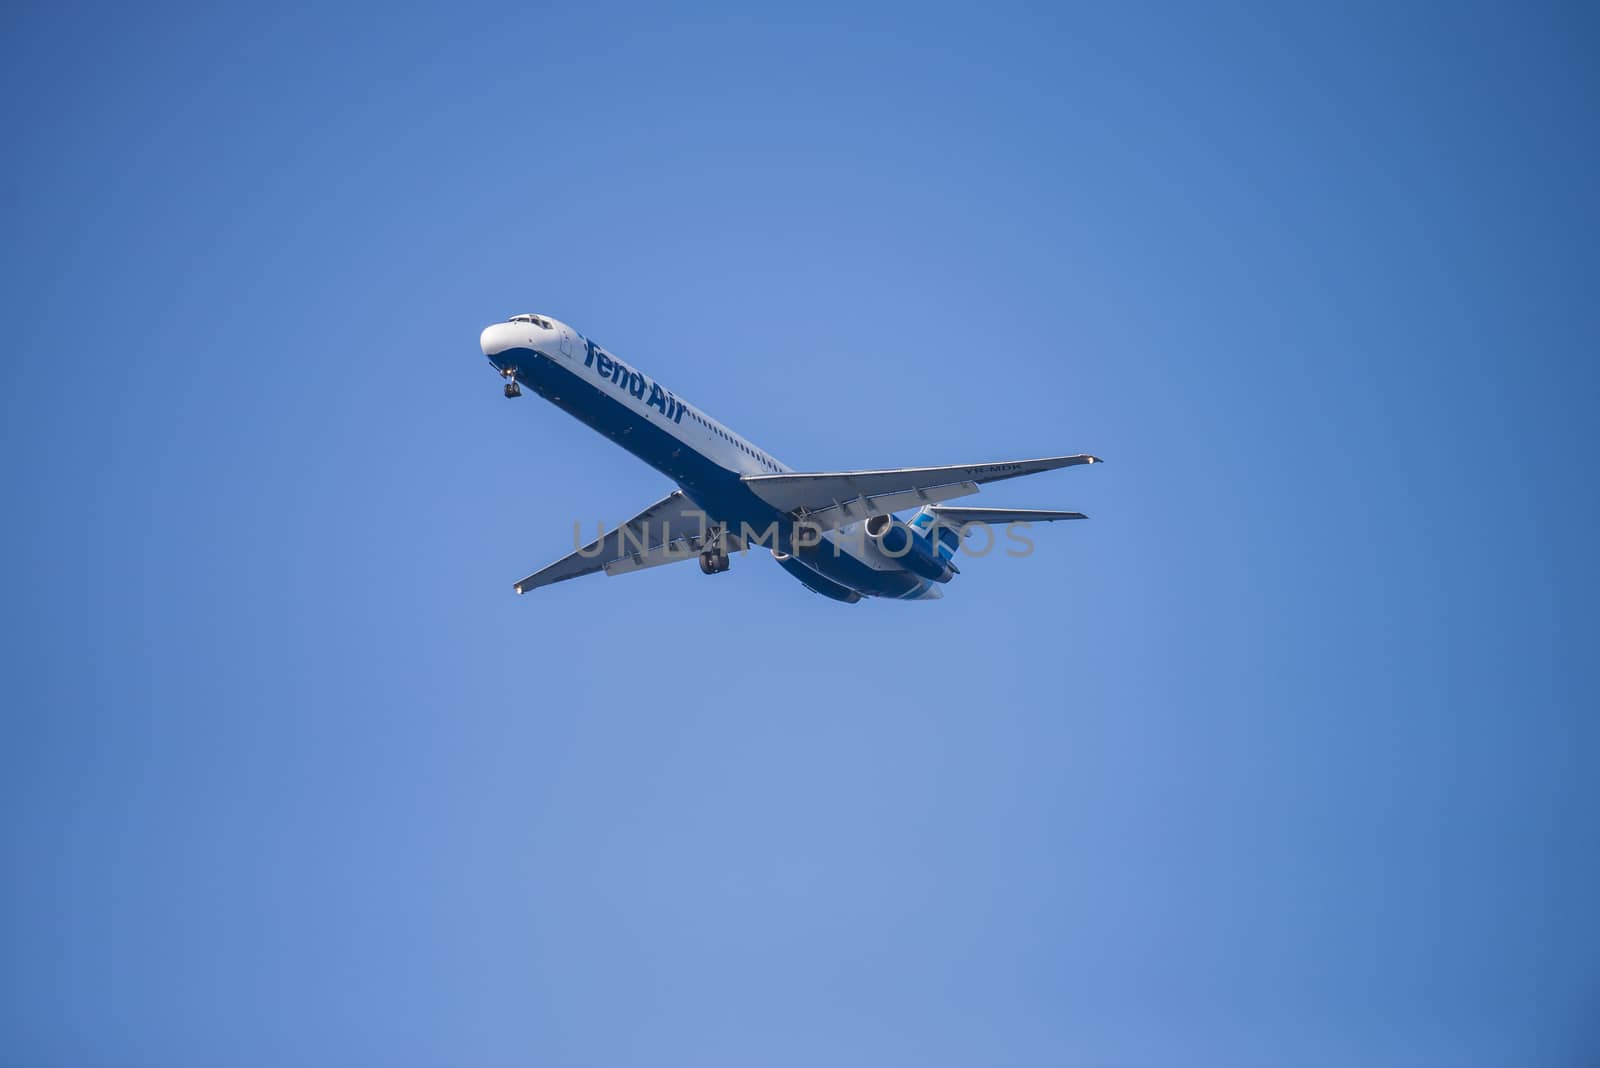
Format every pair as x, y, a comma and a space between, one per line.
834, 531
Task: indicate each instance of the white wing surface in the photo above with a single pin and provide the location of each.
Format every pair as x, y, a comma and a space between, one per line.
837, 498
670, 530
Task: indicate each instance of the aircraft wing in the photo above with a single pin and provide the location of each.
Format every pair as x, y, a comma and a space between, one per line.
837, 498
670, 530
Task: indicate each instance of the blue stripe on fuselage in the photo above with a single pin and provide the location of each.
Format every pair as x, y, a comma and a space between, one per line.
715, 489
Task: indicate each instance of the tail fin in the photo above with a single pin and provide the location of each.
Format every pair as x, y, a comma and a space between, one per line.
949, 534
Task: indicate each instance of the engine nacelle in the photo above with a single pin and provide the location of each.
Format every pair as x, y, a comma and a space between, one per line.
914, 552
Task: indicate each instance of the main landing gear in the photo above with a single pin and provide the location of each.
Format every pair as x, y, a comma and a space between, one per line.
714, 561
512, 389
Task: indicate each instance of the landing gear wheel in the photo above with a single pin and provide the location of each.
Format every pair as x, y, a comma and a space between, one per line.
714, 563
512, 389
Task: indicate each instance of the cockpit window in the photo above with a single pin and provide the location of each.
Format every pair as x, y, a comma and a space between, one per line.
537, 320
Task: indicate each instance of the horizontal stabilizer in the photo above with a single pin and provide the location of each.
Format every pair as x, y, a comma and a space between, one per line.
956, 517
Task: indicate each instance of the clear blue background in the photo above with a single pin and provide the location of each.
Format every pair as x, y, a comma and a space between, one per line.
1286, 757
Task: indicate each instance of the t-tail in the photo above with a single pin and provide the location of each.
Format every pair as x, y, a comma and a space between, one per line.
927, 543
923, 546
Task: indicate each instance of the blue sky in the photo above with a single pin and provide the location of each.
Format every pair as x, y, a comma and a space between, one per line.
1285, 757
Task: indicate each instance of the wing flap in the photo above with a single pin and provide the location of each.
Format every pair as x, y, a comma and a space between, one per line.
670, 553
846, 512
671, 521
818, 492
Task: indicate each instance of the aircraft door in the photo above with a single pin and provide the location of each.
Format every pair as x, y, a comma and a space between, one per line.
566, 341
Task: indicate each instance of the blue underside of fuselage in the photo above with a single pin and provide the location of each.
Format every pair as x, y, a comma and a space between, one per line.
717, 491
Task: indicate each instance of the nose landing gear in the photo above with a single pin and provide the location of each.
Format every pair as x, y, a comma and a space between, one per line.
512, 389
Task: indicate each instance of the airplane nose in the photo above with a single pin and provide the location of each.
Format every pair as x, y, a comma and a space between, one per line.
497, 338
